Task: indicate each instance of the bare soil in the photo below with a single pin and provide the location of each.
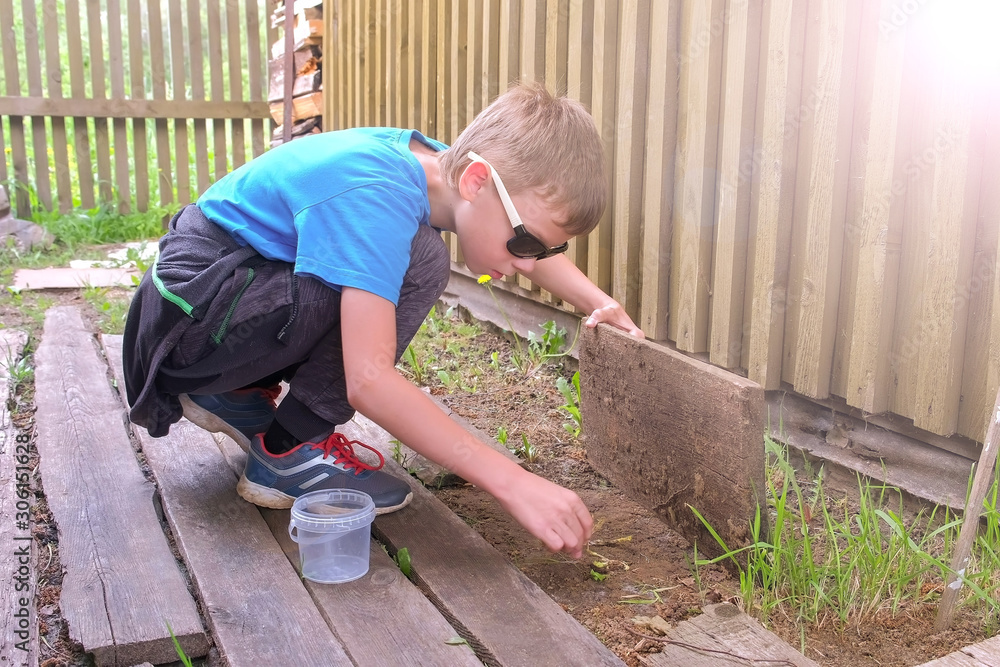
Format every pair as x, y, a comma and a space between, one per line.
637, 565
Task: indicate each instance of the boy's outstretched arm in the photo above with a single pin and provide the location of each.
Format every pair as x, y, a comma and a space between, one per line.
375, 388
560, 276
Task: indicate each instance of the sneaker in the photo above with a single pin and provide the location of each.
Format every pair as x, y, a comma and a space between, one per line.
240, 414
276, 481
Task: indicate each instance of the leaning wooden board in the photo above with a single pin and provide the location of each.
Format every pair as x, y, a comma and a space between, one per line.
122, 584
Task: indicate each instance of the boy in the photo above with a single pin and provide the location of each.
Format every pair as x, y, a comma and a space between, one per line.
316, 263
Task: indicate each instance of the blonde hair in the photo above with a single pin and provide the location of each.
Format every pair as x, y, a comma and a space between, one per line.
538, 142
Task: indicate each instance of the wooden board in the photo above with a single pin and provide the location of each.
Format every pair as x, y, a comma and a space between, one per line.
63, 278
18, 627
122, 583
671, 432
479, 591
983, 654
722, 633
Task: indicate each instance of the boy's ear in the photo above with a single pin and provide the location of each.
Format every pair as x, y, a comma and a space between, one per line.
473, 180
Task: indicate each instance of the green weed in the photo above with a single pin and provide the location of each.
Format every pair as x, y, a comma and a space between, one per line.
571, 394
186, 661
502, 436
527, 450
402, 560
19, 371
411, 359
820, 560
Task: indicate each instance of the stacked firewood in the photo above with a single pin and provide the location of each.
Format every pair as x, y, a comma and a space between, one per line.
307, 90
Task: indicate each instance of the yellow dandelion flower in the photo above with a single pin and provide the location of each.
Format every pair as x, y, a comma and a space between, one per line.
484, 279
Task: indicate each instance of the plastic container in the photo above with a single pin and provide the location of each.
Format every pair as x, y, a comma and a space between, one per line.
333, 531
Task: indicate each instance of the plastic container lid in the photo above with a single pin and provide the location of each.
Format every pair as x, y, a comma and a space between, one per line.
333, 511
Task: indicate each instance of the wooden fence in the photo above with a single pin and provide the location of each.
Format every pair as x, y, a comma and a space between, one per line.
804, 191
140, 101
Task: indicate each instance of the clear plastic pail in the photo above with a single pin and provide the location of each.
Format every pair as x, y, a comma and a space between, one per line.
333, 531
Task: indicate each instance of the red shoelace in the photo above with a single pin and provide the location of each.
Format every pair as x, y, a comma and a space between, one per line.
343, 451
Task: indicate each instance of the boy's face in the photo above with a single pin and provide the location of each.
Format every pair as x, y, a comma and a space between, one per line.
484, 227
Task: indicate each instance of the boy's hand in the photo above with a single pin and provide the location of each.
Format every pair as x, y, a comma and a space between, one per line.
551, 513
615, 315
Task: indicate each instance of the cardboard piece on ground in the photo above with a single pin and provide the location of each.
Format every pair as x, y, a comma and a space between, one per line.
18, 625
122, 583
477, 589
672, 431
62, 278
730, 637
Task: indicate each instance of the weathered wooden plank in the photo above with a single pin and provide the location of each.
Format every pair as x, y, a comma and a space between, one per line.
657, 191
19, 638
236, 64
983, 654
410, 629
81, 137
741, 55
54, 85
370, 80
97, 73
699, 91
31, 56
178, 92
873, 223
122, 108
556, 45
389, 54
509, 47
122, 584
458, 74
729, 636
826, 117
403, 40
491, 51
197, 74
772, 197
532, 66
457, 569
603, 109
693, 431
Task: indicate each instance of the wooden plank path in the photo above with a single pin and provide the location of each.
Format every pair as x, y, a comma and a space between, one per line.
122, 584
18, 639
983, 654
464, 586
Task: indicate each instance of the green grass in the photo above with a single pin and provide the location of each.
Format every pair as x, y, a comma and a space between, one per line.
820, 560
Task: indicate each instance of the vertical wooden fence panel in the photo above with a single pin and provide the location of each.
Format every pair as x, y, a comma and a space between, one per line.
603, 89
81, 136
474, 70
137, 91
428, 54
491, 51
579, 80
510, 43
178, 91
735, 171
198, 93
415, 64
116, 62
379, 65
873, 235
236, 67
658, 193
102, 140
12, 85
53, 67
694, 176
821, 192
772, 199
157, 62
556, 45
217, 85
43, 182
258, 140
630, 141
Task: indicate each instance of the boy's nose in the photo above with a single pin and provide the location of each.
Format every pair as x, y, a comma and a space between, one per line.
522, 264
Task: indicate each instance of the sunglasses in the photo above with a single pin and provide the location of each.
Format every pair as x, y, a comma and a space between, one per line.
524, 244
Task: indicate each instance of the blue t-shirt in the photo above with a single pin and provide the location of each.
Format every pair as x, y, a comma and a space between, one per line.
342, 206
